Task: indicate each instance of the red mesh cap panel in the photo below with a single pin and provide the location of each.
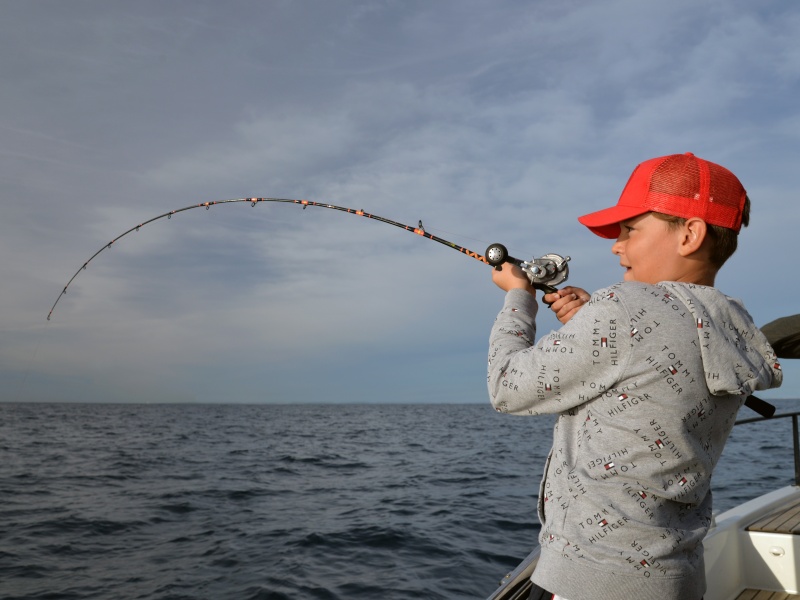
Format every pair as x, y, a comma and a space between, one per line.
686, 186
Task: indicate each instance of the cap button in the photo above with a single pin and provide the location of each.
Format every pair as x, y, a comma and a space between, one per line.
688, 153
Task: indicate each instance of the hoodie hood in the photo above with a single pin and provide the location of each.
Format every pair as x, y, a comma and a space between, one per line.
737, 357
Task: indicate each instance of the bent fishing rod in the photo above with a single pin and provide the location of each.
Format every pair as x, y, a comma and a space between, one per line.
544, 273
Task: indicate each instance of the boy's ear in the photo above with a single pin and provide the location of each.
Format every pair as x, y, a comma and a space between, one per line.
693, 234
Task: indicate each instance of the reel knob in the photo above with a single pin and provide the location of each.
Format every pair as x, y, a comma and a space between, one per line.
496, 255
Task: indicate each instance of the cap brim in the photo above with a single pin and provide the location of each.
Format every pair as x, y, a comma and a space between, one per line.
605, 223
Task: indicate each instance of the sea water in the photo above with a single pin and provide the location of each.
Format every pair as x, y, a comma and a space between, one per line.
164, 501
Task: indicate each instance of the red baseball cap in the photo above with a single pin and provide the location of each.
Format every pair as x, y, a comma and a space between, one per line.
681, 185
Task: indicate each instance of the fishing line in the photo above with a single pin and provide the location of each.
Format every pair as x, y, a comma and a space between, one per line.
544, 272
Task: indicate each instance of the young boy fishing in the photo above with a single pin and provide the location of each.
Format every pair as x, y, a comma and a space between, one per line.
646, 378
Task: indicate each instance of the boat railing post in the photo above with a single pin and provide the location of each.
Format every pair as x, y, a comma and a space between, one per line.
796, 440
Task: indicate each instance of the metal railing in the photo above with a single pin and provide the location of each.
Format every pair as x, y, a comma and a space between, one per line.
795, 437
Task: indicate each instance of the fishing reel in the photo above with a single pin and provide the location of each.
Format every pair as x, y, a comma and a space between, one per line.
544, 273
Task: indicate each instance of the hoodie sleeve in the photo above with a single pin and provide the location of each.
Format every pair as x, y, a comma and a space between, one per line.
566, 368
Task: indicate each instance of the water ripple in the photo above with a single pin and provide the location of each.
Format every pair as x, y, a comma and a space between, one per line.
277, 502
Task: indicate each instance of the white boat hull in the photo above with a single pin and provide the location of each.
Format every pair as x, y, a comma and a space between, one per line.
737, 559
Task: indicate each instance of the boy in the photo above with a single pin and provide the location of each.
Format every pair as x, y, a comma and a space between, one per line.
646, 378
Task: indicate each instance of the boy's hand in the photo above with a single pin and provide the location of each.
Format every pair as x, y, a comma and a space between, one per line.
566, 302
509, 276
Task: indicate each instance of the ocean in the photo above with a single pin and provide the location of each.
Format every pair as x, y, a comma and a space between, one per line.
172, 502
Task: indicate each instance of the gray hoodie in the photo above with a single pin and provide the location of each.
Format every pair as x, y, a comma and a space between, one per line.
646, 381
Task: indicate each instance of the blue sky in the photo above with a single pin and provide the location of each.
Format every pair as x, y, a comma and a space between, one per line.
490, 121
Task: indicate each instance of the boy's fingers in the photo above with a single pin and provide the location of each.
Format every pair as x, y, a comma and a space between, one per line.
548, 299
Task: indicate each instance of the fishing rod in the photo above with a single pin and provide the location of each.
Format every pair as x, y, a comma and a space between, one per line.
544, 273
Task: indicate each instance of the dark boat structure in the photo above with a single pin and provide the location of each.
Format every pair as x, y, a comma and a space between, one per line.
752, 551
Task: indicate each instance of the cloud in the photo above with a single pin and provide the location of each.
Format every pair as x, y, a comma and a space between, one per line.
488, 122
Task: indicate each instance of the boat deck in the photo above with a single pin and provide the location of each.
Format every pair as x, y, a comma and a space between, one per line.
765, 595
784, 519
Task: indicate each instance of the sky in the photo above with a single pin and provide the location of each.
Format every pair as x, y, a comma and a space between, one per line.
489, 121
